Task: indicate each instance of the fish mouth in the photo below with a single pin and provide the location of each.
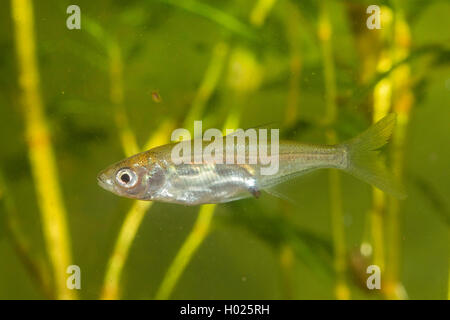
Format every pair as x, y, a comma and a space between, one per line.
104, 182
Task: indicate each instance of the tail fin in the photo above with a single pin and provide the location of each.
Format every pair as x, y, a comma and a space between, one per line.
364, 161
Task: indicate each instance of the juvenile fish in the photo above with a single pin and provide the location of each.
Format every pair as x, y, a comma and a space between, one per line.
152, 175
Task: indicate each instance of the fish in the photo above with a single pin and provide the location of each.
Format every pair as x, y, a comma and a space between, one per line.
153, 175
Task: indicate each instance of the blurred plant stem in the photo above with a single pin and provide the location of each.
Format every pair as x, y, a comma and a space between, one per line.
244, 81
202, 224
382, 103
40, 150
208, 85
324, 35
292, 26
130, 226
260, 11
448, 288
292, 19
134, 216
200, 230
136, 213
342, 290
403, 99
390, 93
216, 15
116, 89
195, 238
37, 268
287, 259
377, 214
243, 77
116, 262
374, 51
381, 106
127, 137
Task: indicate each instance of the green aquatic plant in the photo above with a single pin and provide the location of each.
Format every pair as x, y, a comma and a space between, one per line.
34, 264
201, 227
325, 31
203, 223
40, 150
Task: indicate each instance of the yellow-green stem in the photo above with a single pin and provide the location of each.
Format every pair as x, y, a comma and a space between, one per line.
381, 106
260, 11
324, 34
195, 238
209, 83
40, 150
293, 27
403, 99
448, 288
201, 227
116, 262
342, 291
287, 265
203, 223
377, 220
37, 268
130, 226
127, 136
340, 258
136, 213
191, 244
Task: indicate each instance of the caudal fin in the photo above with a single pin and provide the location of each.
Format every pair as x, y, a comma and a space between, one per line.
364, 161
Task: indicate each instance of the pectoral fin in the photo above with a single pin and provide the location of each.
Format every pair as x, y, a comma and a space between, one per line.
255, 192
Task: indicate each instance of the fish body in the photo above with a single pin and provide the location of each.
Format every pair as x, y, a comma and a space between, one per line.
153, 175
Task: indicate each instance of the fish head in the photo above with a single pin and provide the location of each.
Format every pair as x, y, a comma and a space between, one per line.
137, 177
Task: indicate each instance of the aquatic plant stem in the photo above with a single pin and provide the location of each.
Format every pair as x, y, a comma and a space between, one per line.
403, 99
127, 137
209, 83
129, 228
287, 259
324, 34
116, 89
293, 27
36, 267
375, 61
377, 227
215, 15
184, 255
448, 275
116, 262
40, 150
382, 103
203, 223
134, 216
190, 245
342, 290
260, 11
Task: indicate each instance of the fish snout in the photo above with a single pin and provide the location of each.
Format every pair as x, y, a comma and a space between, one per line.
104, 181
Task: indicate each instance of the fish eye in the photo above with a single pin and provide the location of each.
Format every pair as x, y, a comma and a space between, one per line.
126, 177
